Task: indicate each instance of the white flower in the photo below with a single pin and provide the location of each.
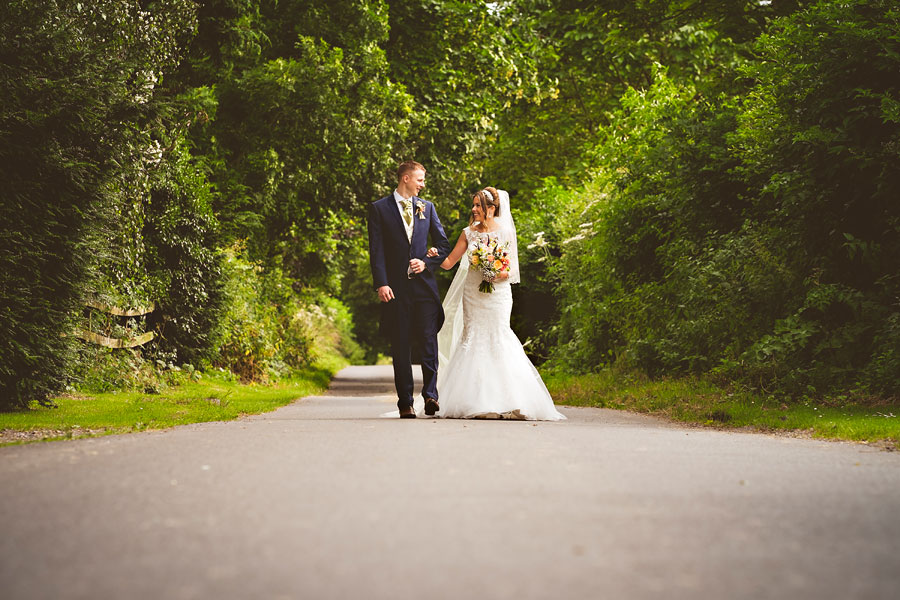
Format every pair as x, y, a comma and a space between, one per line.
539, 241
154, 152
574, 238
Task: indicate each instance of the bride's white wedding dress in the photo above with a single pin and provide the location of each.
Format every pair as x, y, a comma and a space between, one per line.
484, 372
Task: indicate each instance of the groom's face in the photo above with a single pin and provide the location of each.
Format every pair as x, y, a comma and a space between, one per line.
416, 180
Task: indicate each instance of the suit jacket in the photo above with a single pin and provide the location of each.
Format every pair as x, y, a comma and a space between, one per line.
390, 251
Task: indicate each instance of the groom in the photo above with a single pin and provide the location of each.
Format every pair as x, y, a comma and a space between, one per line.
399, 227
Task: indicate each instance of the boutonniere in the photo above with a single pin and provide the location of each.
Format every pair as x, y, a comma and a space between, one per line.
420, 209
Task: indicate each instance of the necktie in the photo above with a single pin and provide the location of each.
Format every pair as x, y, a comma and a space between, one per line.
407, 211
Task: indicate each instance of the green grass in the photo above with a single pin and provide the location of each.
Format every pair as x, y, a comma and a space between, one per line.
701, 402
215, 397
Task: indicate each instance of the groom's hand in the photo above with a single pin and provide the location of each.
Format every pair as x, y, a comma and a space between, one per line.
416, 265
385, 293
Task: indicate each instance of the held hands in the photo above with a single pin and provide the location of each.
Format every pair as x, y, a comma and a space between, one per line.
416, 265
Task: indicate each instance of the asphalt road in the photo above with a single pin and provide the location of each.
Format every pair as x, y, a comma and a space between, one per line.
325, 499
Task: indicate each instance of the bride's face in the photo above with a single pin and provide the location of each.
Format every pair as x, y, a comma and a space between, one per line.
478, 212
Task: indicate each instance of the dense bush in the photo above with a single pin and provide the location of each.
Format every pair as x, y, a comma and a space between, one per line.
73, 92
751, 228
819, 142
269, 330
100, 369
182, 261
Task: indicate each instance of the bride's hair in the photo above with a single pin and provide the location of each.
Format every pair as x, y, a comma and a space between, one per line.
486, 197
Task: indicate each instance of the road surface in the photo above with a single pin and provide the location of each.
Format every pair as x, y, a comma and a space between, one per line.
324, 498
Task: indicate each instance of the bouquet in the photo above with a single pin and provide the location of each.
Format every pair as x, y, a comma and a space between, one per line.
491, 258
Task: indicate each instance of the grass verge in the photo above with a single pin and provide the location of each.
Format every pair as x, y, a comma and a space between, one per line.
701, 402
215, 397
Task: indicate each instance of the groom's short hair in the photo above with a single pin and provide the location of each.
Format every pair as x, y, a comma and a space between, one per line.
407, 166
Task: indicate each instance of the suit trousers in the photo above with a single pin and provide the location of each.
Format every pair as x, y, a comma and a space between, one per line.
417, 319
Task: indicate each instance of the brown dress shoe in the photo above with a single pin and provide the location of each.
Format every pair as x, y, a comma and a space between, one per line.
407, 412
431, 406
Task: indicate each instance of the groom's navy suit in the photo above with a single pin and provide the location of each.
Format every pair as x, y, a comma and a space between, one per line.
415, 313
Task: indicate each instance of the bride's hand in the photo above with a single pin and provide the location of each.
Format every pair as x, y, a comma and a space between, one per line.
431, 252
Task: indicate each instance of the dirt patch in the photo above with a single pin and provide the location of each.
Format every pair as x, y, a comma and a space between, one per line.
15, 436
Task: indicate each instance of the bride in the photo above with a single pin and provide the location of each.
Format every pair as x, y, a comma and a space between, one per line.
483, 370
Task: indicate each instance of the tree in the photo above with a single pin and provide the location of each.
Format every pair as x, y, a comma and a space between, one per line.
463, 63
297, 124
594, 52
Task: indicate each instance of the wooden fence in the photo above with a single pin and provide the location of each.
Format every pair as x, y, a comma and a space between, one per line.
111, 342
